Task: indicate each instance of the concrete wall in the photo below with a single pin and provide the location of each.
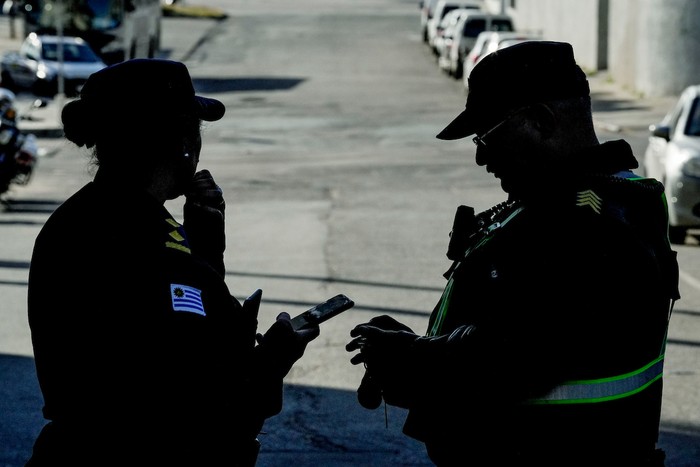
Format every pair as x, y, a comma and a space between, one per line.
649, 46
573, 21
655, 45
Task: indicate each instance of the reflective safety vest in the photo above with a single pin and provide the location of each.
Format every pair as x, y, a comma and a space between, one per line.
604, 389
577, 391
487, 232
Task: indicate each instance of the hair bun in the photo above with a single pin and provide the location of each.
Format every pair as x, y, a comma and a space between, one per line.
79, 126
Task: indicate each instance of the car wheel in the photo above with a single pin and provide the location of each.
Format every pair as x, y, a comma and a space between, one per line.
676, 235
45, 88
457, 74
7, 82
152, 48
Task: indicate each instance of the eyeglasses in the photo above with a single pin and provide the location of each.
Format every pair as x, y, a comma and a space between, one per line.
479, 140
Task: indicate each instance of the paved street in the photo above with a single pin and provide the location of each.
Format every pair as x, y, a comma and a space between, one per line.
334, 183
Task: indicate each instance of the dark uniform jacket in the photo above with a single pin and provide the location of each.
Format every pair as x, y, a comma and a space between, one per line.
573, 284
142, 354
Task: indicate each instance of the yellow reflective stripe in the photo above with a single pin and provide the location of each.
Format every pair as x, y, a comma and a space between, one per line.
604, 389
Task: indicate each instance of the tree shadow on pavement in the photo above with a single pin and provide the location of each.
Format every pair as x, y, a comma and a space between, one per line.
41, 206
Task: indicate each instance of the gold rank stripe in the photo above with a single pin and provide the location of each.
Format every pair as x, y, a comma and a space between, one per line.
589, 198
177, 246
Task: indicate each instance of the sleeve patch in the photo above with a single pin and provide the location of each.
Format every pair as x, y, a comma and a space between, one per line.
186, 298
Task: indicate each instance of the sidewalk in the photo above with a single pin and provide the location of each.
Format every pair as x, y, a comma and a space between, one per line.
616, 109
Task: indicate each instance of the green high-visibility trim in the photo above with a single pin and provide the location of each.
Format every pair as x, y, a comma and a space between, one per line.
604, 389
442, 311
447, 293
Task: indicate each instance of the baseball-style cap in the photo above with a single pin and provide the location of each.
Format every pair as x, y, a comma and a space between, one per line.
147, 88
514, 77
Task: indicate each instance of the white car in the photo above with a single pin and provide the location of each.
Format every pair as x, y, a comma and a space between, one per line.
445, 34
37, 64
490, 41
427, 8
672, 156
442, 7
467, 30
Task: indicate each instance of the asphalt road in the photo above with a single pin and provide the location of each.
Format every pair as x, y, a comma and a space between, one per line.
334, 183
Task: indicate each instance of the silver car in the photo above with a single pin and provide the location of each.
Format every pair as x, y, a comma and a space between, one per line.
672, 156
39, 62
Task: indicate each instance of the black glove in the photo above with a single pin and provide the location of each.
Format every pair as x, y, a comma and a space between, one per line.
369, 392
387, 351
205, 194
204, 219
397, 360
281, 346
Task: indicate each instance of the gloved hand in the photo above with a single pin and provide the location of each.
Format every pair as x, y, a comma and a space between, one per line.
387, 351
281, 346
388, 323
205, 194
204, 219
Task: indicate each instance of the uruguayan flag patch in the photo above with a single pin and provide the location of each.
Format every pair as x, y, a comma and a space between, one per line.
186, 298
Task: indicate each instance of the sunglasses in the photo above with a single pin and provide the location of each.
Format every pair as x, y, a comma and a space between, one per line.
479, 140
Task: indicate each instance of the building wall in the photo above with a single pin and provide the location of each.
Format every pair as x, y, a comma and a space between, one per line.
649, 46
655, 45
573, 21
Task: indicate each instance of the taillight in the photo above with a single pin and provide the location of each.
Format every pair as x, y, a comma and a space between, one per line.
25, 158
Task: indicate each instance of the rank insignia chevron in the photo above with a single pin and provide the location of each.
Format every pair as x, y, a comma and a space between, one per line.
589, 198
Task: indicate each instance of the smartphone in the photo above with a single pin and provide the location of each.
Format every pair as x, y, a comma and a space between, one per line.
322, 312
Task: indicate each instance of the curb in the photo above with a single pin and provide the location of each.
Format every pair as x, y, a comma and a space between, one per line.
609, 127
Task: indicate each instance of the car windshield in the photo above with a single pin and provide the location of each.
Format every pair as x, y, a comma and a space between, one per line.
501, 25
474, 27
692, 128
71, 53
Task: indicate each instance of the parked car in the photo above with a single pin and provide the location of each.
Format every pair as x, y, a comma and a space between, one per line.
672, 156
36, 66
442, 7
490, 41
427, 8
445, 31
466, 32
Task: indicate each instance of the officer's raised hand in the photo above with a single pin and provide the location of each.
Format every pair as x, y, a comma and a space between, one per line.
204, 219
203, 193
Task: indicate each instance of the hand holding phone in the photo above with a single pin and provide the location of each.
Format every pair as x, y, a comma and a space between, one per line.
322, 312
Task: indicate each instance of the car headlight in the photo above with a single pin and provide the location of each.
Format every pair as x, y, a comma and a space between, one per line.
45, 72
691, 167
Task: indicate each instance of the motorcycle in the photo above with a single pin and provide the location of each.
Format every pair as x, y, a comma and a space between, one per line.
19, 151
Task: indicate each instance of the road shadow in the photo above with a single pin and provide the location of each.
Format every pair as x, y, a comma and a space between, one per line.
340, 281
328, 427
607, 102
29, 206
317, 426
681, 444
245, 84
20, 406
